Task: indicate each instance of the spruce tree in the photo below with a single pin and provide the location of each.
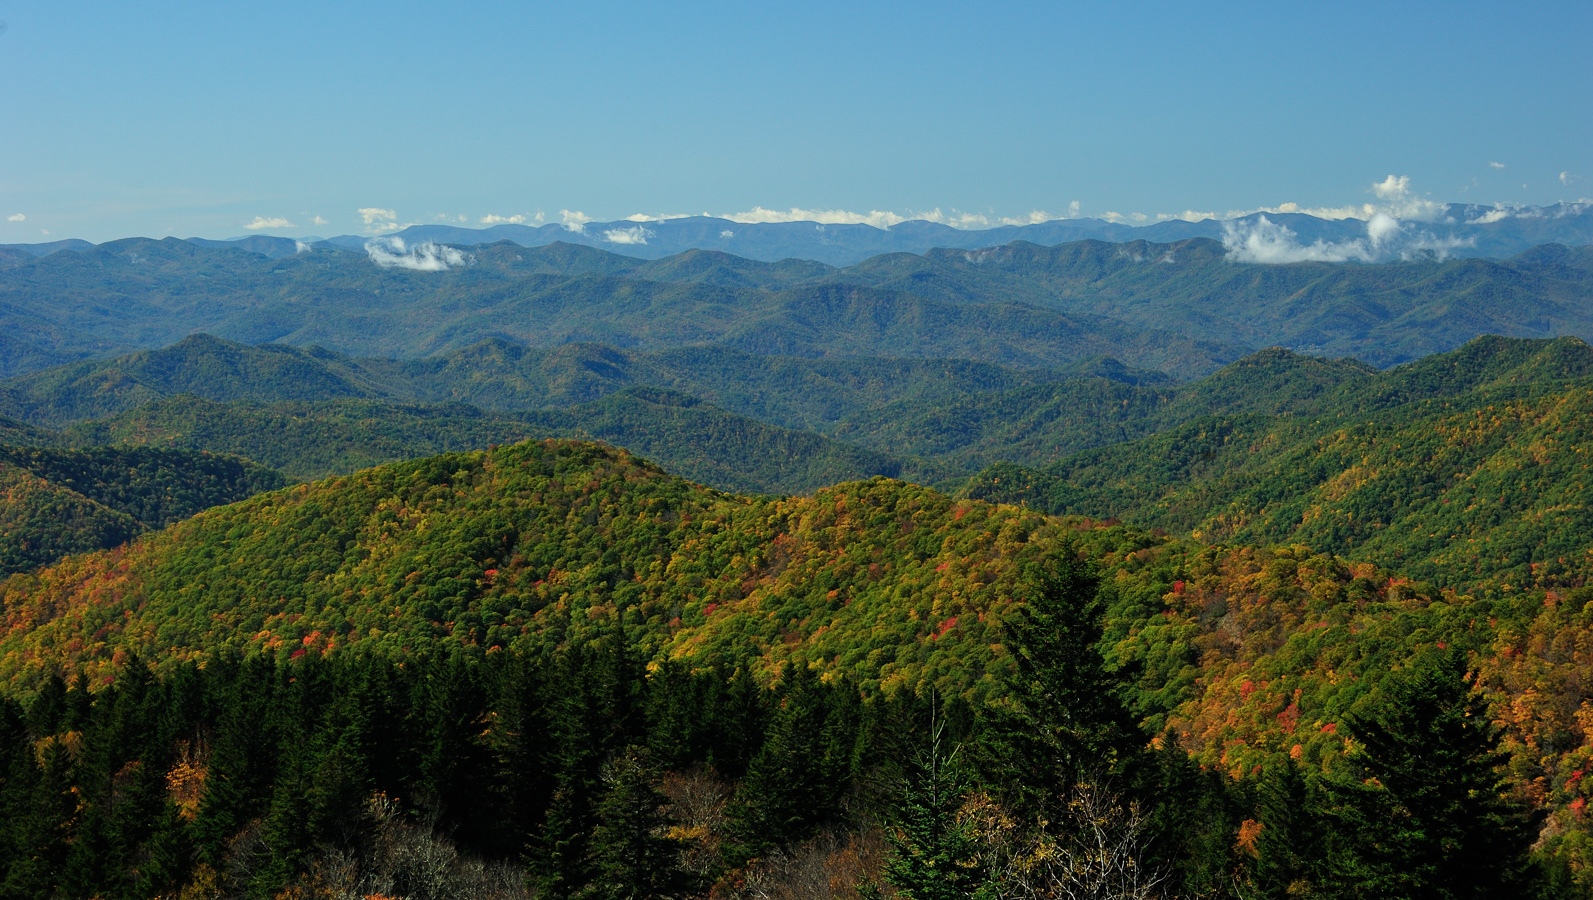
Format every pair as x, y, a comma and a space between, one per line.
1418, 807
790, 786
1065, 723
1290, 848
934, 855
632, 855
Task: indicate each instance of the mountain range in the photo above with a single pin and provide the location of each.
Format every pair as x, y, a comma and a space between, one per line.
1461, 229
1182, 308
525, 513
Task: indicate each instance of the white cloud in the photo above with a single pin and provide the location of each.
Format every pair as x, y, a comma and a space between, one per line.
501, 220
1263, 241
1399, 202
665, 217
263, 222
574, 220
1497, 214
727, 234
758, 215
1073, 210
637, 235
16, 217
44, 231
300, 247
378, 220
391, 252
1495, 165
1188, 215
319, 221
1566, 178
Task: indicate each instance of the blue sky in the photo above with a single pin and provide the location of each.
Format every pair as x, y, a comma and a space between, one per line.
201, 118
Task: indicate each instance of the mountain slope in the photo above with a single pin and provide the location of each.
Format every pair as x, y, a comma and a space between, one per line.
57, 501
1183, 307
334, 437
1248, 655
1470, 469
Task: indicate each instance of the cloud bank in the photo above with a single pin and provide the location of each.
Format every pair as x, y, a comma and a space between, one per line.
1263, 241
378, 220
637, 235
877, 218
263, 222
391, 253
490, 219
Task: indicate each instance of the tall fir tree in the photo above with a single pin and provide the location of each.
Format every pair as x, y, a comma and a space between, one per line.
1291, 848
792, 783
934, 853
1064, 723
632, 855
1418, 808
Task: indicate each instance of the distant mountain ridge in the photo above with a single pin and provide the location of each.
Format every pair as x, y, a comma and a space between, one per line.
1483, 231
1183, 307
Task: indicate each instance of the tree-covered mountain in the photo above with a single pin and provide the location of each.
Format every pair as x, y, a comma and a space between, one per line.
309, 440
506, 377
1182, 307
1248, 659
56, 501
1465, 230
1468, 468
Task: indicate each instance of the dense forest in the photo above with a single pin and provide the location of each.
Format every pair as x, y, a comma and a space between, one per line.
54, 502
1024, 572
853, 653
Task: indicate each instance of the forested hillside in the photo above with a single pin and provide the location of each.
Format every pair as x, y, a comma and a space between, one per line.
559, 556
1469, 468
57, 501
750, 661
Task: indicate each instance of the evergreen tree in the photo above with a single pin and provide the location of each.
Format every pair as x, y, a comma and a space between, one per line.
934, 855
594, 689
1418, 808
632, 855
40, 824
1065, 723
792, 782
1290, 848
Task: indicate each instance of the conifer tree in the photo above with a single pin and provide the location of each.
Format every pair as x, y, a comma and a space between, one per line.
935, 855
791, 783
1418, 808
594, 687
1290, 848
1065, 723
632, 855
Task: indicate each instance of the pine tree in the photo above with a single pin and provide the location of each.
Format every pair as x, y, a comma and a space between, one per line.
1418, 808
632, 855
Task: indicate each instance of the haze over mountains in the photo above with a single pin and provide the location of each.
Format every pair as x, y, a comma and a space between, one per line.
1456, 229
1183, 307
